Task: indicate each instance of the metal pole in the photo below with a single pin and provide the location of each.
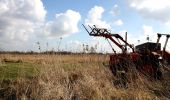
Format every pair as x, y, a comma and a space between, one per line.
167, 37
111, 46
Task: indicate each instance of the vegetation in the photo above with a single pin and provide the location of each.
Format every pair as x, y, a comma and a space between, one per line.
13, 70
72, 77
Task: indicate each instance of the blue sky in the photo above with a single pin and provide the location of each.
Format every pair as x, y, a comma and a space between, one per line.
24, 22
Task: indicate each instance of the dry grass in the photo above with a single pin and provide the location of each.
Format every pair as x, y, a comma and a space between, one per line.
79, 77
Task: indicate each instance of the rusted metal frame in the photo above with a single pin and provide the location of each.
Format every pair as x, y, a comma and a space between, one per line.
167, 38
118, 36
120, 46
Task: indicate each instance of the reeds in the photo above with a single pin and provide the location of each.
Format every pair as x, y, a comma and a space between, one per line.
79, 77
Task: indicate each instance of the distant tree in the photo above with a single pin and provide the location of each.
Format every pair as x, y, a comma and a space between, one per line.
92, 50
87, 48
84, 49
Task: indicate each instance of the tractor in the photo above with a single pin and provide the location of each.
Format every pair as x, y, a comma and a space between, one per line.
147, 57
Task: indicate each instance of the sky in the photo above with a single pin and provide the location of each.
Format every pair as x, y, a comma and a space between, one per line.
57, 25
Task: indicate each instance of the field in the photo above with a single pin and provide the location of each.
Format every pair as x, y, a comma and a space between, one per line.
73, 77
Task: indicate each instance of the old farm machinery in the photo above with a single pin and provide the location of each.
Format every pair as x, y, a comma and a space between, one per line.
146, 58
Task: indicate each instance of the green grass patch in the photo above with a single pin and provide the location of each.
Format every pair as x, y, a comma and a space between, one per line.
13, 70
70, 66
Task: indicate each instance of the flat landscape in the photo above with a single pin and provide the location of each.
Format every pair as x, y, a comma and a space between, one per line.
73, 77
84, 50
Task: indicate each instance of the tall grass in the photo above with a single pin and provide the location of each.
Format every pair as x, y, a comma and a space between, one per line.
79, 77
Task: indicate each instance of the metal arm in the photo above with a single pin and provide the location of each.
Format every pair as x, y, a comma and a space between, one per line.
157, 43
167, 37
166, 42
105, 33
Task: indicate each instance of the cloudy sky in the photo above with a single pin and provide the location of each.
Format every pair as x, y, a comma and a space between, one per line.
25, 22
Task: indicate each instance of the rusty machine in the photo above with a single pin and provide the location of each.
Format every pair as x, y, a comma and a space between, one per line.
147, 57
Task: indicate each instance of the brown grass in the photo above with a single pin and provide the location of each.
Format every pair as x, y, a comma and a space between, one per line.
79, 77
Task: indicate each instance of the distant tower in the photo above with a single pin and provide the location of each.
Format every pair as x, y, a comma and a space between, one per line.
147, 38
138, 41
59, 43
47, 46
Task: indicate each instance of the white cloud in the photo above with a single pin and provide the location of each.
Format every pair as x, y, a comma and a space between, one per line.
115, 10
22, 23
147, 30
95, 17
64, 24
18, 18
101, 45
153, 9
98, 43
74, 46
118, 22
23, 9
157, 10
74, 42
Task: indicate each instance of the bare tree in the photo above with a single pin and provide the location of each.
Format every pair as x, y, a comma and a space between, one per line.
92, 50
39, 47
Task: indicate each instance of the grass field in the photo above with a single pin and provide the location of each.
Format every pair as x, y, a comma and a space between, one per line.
72, 77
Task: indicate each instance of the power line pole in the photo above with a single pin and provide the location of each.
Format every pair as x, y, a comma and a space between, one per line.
59, 44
